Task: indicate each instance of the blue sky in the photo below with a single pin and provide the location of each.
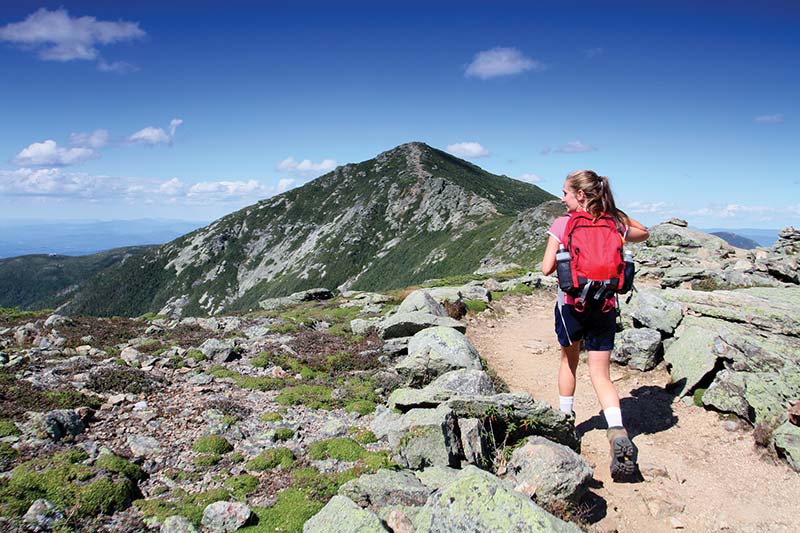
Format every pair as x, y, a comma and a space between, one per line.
190, 110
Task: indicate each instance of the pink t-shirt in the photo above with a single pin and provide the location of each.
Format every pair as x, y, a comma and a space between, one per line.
558, 229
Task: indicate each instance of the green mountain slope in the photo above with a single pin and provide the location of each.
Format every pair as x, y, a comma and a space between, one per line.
410, 214
47, 281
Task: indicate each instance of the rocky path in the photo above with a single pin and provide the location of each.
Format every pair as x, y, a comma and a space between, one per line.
700, 471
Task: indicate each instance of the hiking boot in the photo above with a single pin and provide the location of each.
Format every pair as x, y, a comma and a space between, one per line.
623, 454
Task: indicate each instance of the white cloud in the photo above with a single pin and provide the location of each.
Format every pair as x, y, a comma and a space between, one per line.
48, 153
96, 139
56, 36
285, 184
530, 178
57, 185
646, 207
306, 168
118, 67
769, 119
591, 53
152, 135
734, 210
500, 61
469, 150
575, 147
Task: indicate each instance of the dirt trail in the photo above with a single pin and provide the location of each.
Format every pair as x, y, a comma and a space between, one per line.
701, 472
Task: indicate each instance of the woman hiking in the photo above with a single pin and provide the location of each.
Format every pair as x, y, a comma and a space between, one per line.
589, 314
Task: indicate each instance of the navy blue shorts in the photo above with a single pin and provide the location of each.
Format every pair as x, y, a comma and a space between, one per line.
595, 327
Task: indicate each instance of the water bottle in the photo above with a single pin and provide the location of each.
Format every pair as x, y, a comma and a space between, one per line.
564, 269
630, 269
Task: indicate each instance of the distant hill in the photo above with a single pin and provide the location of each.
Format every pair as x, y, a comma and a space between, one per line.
410, 214
736, 240
764, 237
82, 237
47, 281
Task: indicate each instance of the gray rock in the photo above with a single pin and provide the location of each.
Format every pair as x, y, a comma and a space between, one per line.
425, 437
60, 423
494, 269
220, 351
479, 501
653, 311
386, 487
257, 332
436, 477
786, 439
473, 443
449, 384
396, 347
465, 292
692, 356
435, 351
177, 524
675, 276
341, 515
221, 517
53, 321
529, 416
637, 348
549, 472
407, 324
360, 326
132, 356
42, 515
143, 446
421, 300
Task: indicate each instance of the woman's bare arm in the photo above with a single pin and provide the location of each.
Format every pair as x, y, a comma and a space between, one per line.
549, 260
636, 231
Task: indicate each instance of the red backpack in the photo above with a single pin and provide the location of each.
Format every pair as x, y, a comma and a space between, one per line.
597, 266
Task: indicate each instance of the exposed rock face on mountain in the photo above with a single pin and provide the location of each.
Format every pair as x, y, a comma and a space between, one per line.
410, 214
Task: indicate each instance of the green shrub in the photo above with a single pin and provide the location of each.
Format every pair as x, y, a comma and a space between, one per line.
362, 407
8, 428
262, 360
271, 458
363, 436
197, 355
242, 485
189, 506
342, 449
212, 444
205, 460
219, 371
284, 434
312, 396
112, 463
476, 306
270, 417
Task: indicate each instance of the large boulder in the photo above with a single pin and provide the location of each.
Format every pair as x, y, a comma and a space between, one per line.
463, 381
426, 437
549, 472
651, 310
435, 351
61, 423
421, 300
222, 517
694, 354
480, 501
520, 412
341, 515
638, 348
786, 439
220, 351
407, 324
386, 487
775, 310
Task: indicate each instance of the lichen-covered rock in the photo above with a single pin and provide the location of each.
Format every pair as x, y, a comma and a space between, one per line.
692, 356
341, 515
549, 472
638, 348
449, 384
426, 437
653, 311
786, 439
436, 477
177, 524
42, 515
222, 517
144, 446
220, 351
528, 416
386, 487
480, 501
776, 310
421, 300
473, 442
361, 326
435, 351
465, 292
407, 324
60, 423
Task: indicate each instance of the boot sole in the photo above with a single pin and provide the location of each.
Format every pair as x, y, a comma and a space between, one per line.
623, 460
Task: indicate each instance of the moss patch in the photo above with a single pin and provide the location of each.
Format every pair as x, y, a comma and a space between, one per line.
111, 463
216, 444
189, 506
284, 434
242, 485
271, 417
8, 428
271, 458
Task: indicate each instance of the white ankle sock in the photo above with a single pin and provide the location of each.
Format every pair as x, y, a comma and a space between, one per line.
613, 417
565, 403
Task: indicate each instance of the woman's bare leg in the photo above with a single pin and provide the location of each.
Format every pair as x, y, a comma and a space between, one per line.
600, 375
567, 369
